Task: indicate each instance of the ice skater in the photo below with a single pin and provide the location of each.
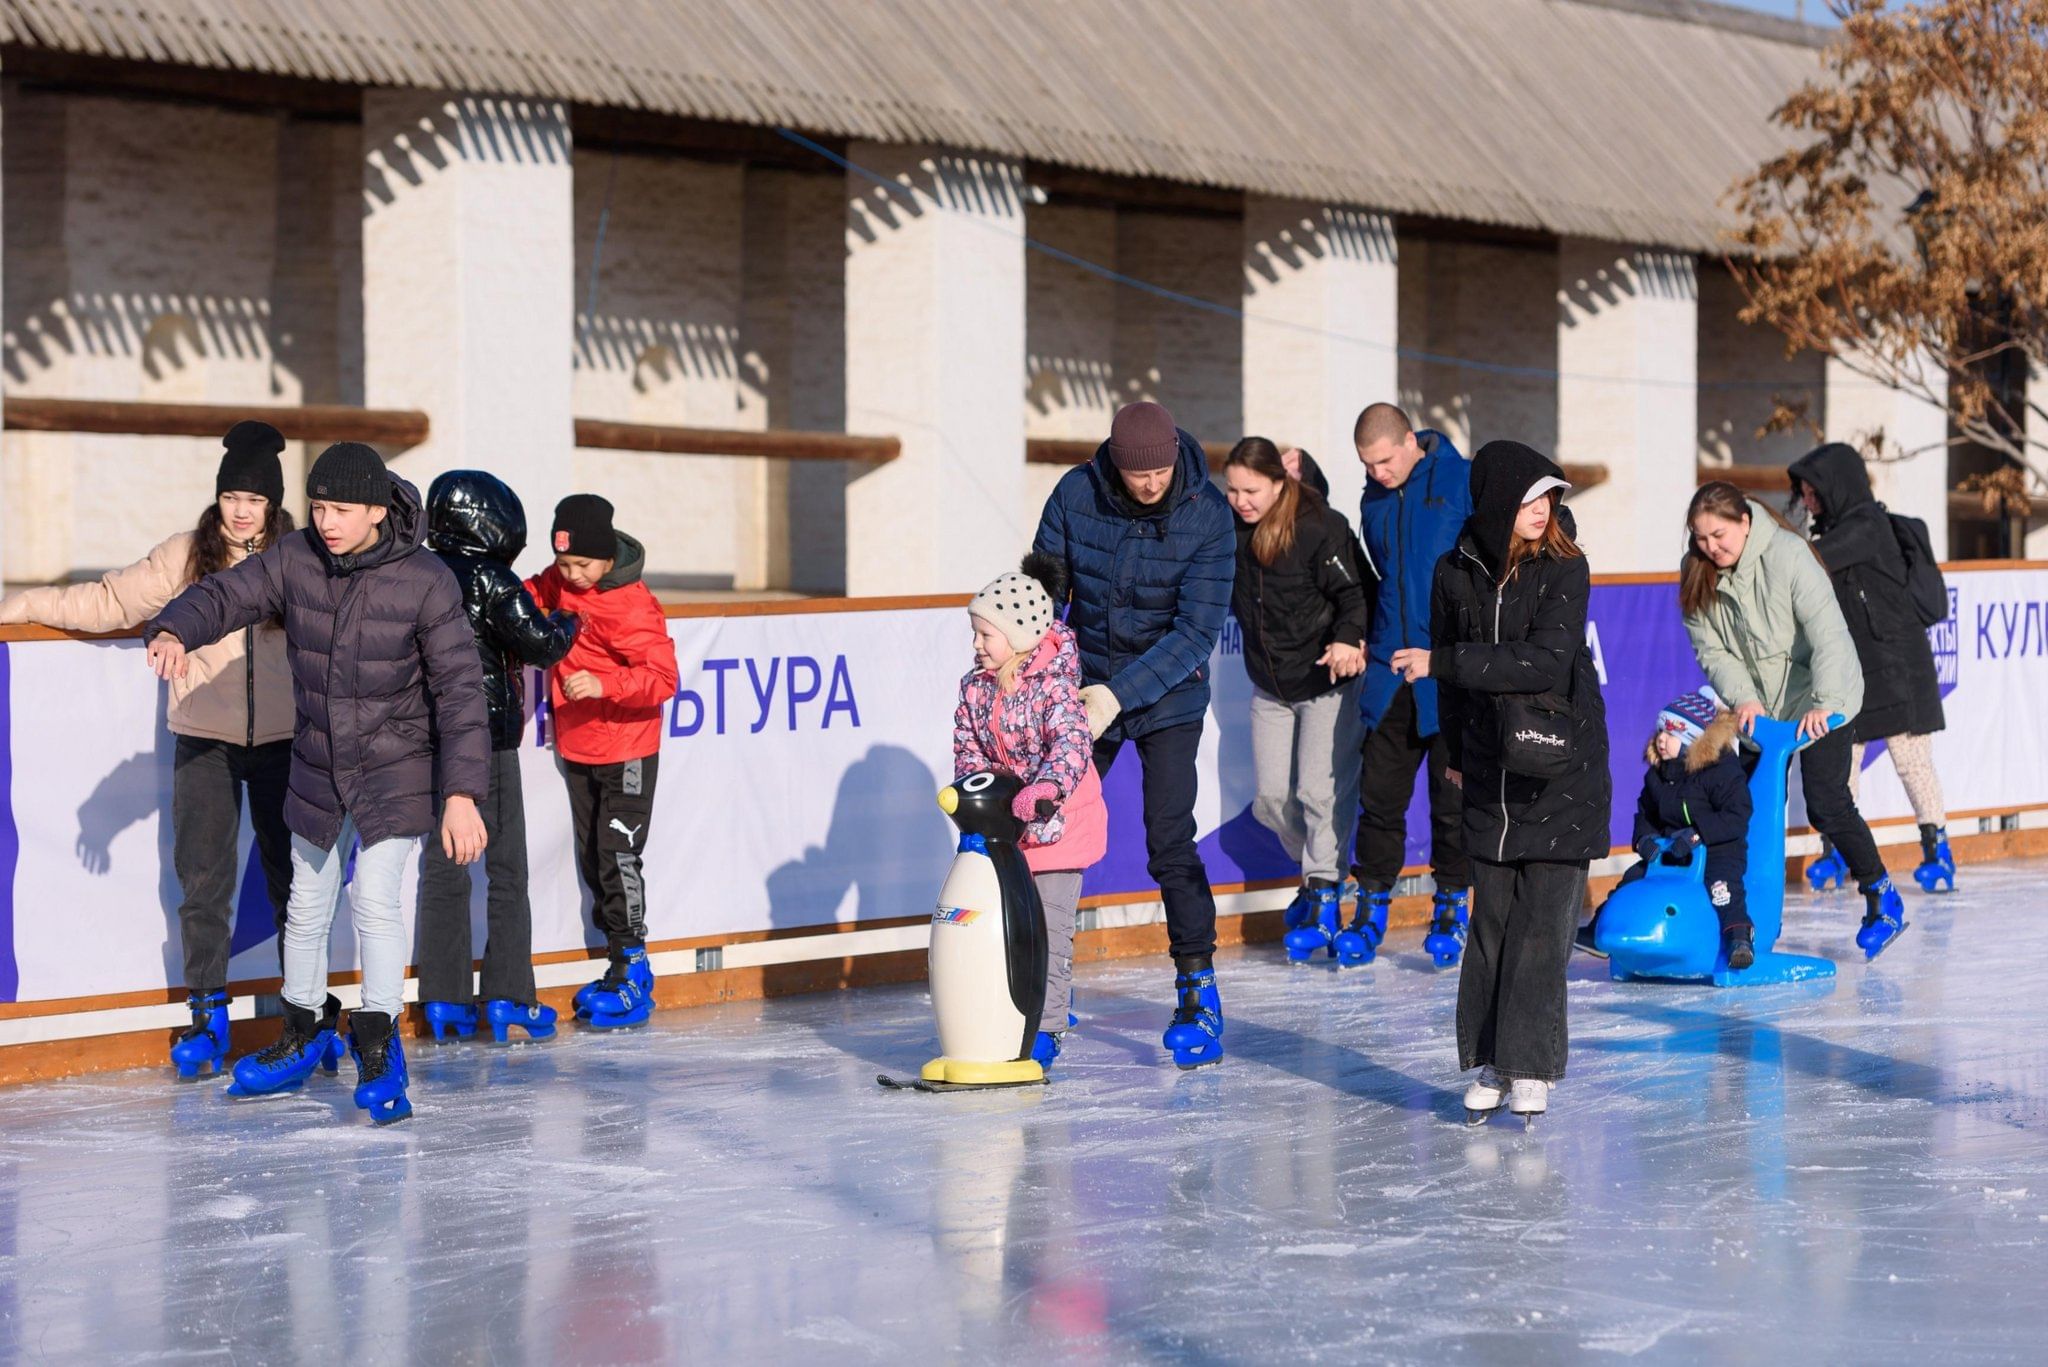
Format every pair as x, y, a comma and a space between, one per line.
605, 699
1145, 541
1697, 793
391, 717
1417, 498
1020, 709
1768, 631
1298, 599
476, 525
1527, 734
231, 715
1859, 541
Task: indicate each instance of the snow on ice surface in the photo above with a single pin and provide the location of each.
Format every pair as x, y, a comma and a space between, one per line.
1844, 1171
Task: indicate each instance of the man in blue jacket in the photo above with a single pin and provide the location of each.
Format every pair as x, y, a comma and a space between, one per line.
1149, 550
1418, 494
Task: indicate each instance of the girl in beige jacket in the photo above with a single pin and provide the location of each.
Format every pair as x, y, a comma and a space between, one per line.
232, 715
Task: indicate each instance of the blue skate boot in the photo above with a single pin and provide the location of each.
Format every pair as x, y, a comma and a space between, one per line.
1196, 1034
1044, 1049
1829, 868
1937, 865
450, 1020
1301, 911
1445, 942
380, 1067
308, 1042
202, 1047
1317, 935
505, 1016
1361, 940
624, 996
1883, 921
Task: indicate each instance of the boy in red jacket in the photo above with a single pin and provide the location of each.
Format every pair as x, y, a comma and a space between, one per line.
606, 698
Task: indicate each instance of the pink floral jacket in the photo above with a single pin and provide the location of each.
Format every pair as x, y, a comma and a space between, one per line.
1040, 733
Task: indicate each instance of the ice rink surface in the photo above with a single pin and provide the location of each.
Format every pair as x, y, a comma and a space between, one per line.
1847, 1171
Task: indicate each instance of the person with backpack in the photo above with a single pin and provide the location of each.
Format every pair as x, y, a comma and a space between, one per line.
1298, 599
1891, 590
230, 715
1768, 631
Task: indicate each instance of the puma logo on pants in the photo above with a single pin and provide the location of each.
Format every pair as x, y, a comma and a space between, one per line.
630, 832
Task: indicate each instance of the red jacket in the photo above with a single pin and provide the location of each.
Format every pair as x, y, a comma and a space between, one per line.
624, 642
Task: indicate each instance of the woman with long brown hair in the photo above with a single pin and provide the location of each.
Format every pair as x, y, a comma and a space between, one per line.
1770, 635
1301, 608
1520, 701
231, 713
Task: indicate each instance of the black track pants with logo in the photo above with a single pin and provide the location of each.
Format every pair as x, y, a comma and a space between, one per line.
610, 805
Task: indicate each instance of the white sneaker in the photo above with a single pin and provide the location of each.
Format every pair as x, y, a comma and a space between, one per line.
1528, 1097
1484, 1095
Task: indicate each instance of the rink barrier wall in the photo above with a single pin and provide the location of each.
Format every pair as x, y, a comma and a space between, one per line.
98, 1032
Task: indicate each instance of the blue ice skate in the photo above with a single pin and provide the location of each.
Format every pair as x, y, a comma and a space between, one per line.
380, 1067
1360, 942
505, 1016
1317, 935
1663, 926
1937, 865
202, 1046
450, 1020
1195, 1035
1044, 1049
1445, 943
1300, 911
1829, 868
1884, 921
624, 996
307, 1042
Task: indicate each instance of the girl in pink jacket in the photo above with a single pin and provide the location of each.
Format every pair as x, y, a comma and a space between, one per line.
1020, 709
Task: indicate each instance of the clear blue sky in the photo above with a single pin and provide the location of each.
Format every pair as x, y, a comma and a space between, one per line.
1816, 10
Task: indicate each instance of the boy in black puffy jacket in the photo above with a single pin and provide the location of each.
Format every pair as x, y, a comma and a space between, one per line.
476, 525
1697, 792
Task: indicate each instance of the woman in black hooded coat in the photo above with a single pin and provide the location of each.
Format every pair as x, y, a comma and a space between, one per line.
1508, 617
1853, 533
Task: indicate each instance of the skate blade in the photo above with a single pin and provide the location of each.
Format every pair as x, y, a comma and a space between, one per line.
515, 1041
391, 1115
1189, 1065
203, 1074
234, 1092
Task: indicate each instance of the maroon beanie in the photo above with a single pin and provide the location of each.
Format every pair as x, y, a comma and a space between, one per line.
1142, 437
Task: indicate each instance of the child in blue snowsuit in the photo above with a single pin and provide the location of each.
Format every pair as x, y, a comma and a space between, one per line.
1697, 792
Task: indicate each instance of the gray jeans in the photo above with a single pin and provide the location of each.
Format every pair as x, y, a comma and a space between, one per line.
1059, 894
373, 902
1303, 753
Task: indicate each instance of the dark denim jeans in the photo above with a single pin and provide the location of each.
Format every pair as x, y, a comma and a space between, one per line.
1167, 758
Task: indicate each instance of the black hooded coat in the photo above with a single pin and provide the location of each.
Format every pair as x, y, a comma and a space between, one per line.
1853, 533
476, 524
1492, 636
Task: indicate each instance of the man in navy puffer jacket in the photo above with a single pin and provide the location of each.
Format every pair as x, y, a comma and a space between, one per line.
1148, 546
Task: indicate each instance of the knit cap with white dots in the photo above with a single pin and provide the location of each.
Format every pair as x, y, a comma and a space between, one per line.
1016, 605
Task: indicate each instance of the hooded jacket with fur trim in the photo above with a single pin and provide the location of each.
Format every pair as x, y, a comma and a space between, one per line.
1704, 789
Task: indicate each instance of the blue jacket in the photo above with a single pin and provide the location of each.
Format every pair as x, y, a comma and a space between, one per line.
1405, 531
1151, 585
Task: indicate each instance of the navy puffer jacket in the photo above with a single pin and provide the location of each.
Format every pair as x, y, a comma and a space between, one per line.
381, 656
1151, 585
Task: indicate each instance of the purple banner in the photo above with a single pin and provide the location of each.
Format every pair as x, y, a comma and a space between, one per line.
1644, 660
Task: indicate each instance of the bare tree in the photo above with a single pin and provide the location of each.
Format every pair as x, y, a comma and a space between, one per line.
1908, 235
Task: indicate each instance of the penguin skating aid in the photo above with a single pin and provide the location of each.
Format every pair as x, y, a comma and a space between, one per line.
988, 950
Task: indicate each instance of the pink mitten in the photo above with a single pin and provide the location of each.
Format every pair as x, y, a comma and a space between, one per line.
1025, 806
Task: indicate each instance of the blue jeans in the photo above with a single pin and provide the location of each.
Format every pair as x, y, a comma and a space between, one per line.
373, 898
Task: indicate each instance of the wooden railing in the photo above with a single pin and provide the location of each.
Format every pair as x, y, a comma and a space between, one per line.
397, 427
719, 441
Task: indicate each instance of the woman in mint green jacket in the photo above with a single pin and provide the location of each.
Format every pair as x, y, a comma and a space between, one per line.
1768, 631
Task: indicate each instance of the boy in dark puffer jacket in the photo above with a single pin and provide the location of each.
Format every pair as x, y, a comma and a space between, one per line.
391, 724
604, 704
1696, 793
476, 525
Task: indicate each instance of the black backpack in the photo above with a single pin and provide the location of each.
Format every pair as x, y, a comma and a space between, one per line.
1924, 584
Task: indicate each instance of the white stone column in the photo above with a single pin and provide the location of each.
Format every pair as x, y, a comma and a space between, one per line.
1627, 357
1903, 437
1321, 301
468, 285
934, 355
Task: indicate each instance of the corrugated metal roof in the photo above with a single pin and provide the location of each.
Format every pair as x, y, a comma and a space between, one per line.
1623, 119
